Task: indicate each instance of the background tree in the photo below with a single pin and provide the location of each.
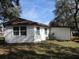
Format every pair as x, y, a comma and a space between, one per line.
76, 13
67, 13
9, 9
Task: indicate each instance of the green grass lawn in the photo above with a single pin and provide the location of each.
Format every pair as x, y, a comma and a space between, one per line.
50, 49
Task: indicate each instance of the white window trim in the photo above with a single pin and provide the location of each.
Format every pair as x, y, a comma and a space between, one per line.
46, 31
13, 31
20, 31
38, 31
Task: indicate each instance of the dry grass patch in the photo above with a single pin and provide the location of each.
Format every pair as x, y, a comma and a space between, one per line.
52, 49
70, 44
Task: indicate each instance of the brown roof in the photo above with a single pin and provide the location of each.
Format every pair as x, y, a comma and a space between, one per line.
21, 21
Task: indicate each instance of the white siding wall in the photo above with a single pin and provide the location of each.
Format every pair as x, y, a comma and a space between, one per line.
42, 36
11, 38
61, 33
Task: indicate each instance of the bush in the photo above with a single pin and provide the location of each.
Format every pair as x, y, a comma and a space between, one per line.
2, 40
76, 39
52, 37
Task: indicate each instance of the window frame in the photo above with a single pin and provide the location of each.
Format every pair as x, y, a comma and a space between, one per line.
23, 30
38, 30
15, 31
19, 31
45, 29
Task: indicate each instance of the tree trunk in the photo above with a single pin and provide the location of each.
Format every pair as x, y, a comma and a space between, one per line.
76, 24
75, 14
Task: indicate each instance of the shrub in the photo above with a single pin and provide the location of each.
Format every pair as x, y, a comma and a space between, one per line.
2, 40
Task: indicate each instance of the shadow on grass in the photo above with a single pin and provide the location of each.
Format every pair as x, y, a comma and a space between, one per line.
53, 51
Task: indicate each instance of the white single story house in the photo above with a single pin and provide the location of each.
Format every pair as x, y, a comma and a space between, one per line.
22, 31
25, 31
60, 32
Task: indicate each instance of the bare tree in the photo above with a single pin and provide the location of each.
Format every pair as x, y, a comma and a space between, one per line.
67, 12
76, 13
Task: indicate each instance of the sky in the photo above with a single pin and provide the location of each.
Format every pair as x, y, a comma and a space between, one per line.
38, 10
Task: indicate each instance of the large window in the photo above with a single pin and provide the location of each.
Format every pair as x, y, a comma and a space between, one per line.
46, 31
20, 30
38, 30
23, 30
16, 30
